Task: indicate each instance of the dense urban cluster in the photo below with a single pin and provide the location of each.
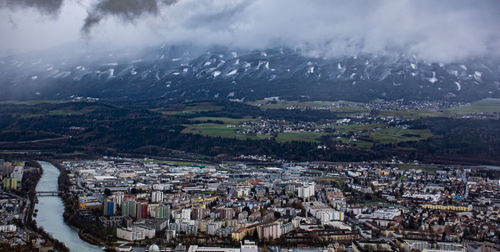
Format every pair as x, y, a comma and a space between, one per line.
322, 206
15, 229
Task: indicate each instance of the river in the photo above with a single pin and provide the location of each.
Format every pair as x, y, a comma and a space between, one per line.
51, 209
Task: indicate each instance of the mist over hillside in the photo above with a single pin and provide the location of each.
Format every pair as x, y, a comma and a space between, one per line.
238, 49
178, 73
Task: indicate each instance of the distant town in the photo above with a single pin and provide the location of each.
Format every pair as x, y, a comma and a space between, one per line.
127, 204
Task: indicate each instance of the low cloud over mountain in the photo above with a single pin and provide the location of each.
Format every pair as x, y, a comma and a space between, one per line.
441, 31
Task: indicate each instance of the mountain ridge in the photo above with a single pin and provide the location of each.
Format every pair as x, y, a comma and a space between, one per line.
180, 73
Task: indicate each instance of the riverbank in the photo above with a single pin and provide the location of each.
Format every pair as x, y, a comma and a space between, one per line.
51, 210
88, 232
29, 187
29, 184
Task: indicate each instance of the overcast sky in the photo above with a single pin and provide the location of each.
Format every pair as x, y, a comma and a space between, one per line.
435, 30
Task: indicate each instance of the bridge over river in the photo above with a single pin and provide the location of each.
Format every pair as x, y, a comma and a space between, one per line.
47, 193
50, 211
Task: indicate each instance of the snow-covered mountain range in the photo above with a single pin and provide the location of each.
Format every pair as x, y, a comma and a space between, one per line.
180, 73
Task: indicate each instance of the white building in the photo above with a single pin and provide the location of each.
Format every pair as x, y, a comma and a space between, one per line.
248, 246
162, 187
242, 191
269, 232
195, 248
157, 196
410, 245
170, 235
135, 233
18, 173
323, 212
287, 228
306, 190
118, 198
353, 174
8, 228
186, 214
213, 227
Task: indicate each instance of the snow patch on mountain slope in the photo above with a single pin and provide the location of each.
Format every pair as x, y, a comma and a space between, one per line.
233, 72
433, 79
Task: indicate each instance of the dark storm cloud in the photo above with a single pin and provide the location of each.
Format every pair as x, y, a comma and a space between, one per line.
220, 17
126, 10
48, 7
442, 30
433, 30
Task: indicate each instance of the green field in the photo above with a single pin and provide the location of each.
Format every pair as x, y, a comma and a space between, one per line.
489, 105
345, 129
330, 180
342, 130
413, 114
222, 130
363, 144
426, 169
210, 129
376, 132
219, 130
366, 134
357, 143
350, 111
172, 162
485, 106
225, 120
396, 135
190, 109
312, 137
